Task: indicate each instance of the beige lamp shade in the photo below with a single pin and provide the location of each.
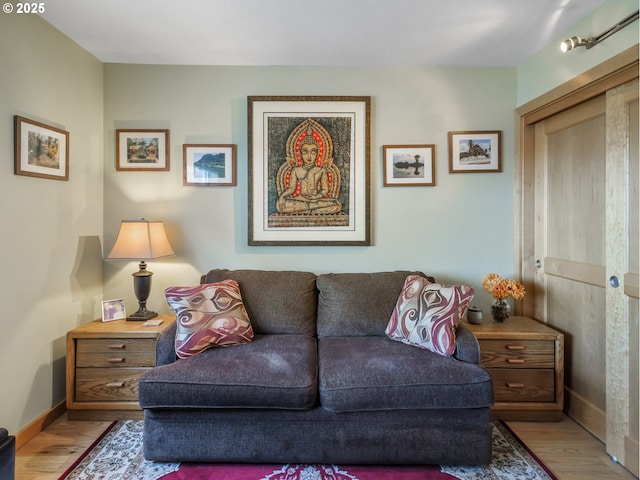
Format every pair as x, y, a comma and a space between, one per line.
140, 240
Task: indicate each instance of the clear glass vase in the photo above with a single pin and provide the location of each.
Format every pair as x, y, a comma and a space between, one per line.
500, 309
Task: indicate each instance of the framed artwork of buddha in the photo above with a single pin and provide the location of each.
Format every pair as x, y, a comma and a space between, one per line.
309, 170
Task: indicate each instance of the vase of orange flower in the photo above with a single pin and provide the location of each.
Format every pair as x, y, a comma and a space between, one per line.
501, 289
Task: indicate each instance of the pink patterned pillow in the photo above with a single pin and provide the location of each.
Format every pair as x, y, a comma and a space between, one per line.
427, 314
210, 314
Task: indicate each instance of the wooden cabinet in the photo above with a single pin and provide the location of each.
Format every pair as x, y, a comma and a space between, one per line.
525, 359
104, 362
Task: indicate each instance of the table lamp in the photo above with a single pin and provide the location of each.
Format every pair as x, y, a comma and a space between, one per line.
141, 240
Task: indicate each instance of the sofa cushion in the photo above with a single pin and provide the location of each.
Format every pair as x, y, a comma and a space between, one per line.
427, 314
211, 314
276, 301
273, 371
357, 303
376, 373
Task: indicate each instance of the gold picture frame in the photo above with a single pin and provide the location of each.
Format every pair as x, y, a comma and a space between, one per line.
409, 165
297, 201
475, 151
40, 150
142, 150
209, 164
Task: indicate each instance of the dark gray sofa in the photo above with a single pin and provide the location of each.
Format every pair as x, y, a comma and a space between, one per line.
7, 455
319, 383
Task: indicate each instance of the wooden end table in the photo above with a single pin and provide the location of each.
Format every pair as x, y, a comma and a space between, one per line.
104, 362
526, 361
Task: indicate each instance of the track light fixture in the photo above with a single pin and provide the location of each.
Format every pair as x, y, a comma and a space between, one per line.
573, 42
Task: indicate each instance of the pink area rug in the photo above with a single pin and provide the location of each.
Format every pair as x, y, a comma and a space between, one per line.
117, 454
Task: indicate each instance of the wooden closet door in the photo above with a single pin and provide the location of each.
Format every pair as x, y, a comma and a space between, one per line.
622, 260
586, 256
569, 250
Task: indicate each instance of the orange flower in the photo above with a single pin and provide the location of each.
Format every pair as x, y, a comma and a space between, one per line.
490, 281
501, 288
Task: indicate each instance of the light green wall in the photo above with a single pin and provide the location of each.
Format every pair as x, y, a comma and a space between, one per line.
550, 67
51, 230
457, 231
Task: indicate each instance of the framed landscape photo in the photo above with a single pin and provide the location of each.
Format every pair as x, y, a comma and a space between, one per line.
309, 170
475, 151
206, 164
409, 165
40, 150
113, 310
142, 149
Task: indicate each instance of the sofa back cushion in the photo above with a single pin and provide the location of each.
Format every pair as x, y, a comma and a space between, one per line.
353, 304
278, 302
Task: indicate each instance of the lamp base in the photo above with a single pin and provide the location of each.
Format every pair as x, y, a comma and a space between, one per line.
142, 287
142, 315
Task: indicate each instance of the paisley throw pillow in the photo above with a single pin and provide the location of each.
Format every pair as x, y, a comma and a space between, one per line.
426, 314
208, 315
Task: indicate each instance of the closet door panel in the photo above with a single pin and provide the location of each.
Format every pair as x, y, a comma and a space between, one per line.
570, 239
622, 274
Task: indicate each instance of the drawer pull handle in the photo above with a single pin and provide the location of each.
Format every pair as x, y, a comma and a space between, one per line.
116, 346
515, 385
515, 347
515, 360
116, 360
115, 384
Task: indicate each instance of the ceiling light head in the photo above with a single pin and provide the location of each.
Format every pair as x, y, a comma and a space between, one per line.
573, 42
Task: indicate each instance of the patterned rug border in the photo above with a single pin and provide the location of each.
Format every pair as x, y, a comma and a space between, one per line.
518, 446
95, 443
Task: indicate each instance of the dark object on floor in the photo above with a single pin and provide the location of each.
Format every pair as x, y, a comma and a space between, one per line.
7, 455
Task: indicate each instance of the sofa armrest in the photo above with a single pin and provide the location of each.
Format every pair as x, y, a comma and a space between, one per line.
467, 346
7, 454
166, 346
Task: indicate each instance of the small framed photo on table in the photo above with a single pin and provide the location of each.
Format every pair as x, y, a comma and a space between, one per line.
113, 310
475, 152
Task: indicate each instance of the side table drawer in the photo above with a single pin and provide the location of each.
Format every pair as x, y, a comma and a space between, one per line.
517, 353
107, 384
110, 345
517, 385
115, 359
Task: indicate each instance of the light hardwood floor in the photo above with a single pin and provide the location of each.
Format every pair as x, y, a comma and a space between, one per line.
566, 448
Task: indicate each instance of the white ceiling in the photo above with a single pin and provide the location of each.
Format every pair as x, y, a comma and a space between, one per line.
319, 32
